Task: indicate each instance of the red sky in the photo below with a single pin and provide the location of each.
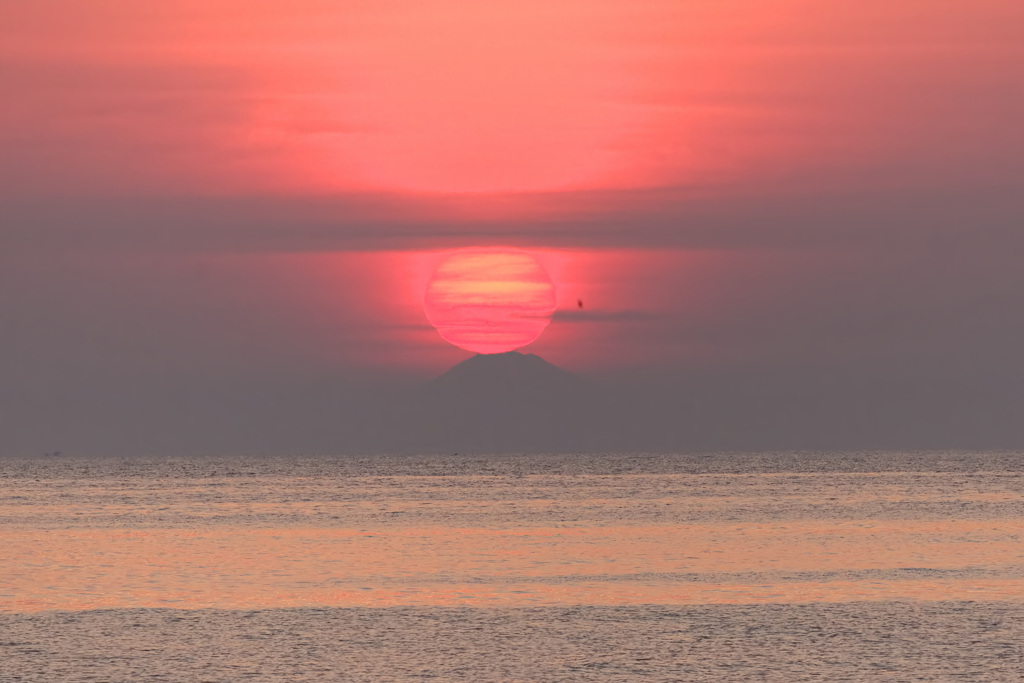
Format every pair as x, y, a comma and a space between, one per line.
266, 185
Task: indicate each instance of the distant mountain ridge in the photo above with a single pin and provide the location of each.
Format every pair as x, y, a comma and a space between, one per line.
504, 402
504, 372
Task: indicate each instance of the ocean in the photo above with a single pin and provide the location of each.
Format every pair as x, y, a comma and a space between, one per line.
847, 566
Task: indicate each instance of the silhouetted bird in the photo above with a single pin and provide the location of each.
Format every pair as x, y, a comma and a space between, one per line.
579, 303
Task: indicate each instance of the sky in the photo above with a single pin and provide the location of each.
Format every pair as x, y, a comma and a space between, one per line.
799, 220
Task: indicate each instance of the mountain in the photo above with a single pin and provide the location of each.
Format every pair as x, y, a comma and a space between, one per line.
500, 374
501, 403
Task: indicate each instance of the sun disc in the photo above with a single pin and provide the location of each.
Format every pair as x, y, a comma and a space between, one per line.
490, 300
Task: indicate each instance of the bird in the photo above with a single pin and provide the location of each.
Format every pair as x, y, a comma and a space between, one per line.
579, 303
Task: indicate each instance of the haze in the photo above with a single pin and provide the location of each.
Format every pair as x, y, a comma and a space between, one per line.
791, 227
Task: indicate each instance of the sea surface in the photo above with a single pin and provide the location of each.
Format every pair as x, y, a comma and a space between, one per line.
562, 567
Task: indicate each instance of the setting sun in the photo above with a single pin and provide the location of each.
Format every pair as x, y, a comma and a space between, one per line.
490, 300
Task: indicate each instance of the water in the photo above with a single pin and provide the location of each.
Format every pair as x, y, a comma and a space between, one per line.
781, 567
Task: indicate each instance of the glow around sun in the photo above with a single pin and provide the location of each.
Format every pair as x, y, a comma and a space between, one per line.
490, 300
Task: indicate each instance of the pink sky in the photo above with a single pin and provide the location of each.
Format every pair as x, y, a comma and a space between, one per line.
108, 97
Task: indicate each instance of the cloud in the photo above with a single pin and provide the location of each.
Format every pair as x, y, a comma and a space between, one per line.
585, 316
950, 219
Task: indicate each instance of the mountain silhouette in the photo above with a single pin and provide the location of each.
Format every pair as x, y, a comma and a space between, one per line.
501, 403
498, 374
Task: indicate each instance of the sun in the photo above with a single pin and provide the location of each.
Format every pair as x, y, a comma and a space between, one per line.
490, 300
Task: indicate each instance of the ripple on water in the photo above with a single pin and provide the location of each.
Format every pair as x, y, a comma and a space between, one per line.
939, 641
